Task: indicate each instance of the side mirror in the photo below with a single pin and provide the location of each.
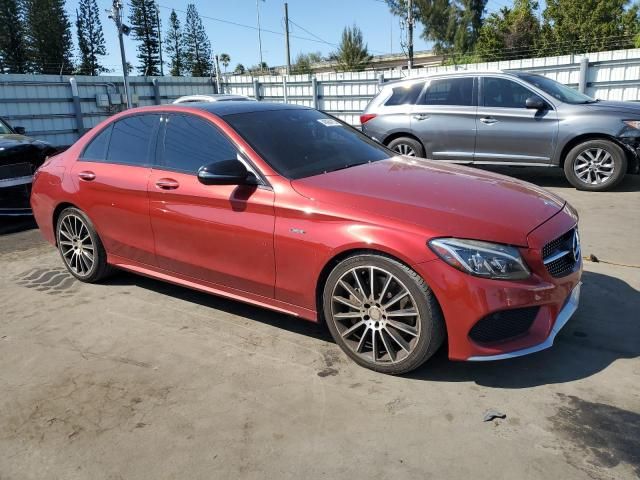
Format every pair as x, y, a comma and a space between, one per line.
226, 172
20, 130
536, 103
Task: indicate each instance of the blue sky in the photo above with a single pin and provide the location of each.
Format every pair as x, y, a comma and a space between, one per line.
315, 26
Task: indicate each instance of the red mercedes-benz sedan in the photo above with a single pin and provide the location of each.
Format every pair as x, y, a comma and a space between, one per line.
288, 208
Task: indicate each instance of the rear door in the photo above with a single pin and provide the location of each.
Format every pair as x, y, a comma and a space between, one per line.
508, 132
444, 119
112, 175
221, 234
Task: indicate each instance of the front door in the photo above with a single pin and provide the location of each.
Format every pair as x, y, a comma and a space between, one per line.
508, 132
444, 119
112, 174
221, 234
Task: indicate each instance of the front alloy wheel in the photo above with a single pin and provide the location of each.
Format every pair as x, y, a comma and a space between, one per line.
382, 314
595, 165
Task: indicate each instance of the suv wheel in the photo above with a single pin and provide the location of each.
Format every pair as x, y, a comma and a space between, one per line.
407, 146
595, 165
382, 314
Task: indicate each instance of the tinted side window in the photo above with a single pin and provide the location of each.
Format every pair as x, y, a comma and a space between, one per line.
448, 91
191, 142
499, 92
130, 138
405, 94
97, 149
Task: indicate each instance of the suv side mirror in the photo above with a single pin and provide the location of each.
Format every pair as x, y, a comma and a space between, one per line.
226, 172
20, 130
536, 103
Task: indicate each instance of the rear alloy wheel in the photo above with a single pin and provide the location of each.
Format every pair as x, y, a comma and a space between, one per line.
595, 165
407, 146
80, 247
382, 314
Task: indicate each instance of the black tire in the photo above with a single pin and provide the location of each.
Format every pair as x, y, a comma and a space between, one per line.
397, 144
429, 324
573, 160
99, 269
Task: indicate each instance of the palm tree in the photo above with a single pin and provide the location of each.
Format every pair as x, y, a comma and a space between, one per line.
225, 59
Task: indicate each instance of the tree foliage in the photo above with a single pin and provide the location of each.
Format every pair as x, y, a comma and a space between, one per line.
304, 61
48, 36
452, 25
13, 49
353, 53
144, 25
510, 33
90, 38
588, 25
225, 60
175, 46
197, 45
240, 69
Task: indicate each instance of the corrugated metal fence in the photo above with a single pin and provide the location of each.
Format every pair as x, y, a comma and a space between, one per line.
59, 108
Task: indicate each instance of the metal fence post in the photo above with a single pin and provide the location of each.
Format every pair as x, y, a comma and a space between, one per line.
156, 90
314, 92
77, 108
380, 80
584, 72
284, 89
256, 89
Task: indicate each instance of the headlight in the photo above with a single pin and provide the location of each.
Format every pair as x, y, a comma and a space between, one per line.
632, 123
482, 259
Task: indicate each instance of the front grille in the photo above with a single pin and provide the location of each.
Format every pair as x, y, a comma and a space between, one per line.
560, 256
15, 170
503, 325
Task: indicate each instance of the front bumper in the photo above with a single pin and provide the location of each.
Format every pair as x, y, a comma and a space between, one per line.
563, 317
466, 300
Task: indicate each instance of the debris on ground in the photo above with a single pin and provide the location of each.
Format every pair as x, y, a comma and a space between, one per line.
492, 414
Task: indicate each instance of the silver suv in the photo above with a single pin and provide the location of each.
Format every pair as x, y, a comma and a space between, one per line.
508, 118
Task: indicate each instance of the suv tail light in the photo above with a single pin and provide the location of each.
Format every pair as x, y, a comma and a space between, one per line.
366, 117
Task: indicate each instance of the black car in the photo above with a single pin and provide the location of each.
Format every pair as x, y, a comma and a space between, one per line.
20, 156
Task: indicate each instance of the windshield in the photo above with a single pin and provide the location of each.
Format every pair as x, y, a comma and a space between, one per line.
302, 143
556, 90
4, 128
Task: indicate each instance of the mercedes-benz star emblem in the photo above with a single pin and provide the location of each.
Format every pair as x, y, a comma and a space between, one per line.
575, 248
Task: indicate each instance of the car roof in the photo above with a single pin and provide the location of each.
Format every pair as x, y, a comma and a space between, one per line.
232, 107
453, 73
214, 97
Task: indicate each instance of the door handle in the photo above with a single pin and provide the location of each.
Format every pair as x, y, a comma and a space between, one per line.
420, 116
87, 176
167, 184
488, 120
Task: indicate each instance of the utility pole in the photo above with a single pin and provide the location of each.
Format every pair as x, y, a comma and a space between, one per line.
259, 33
159, 38
286, 37
217, 67
116, 15
410, 33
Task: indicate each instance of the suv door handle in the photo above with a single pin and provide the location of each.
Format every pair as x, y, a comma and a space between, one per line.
488, 120
167, 184
87, 176
420, 116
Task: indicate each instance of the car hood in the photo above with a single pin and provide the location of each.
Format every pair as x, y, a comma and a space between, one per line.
445, 199
621, 107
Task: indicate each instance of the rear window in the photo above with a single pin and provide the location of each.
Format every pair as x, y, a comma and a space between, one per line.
130, 140
405, 94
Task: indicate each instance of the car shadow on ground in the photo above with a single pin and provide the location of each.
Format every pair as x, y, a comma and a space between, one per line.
554, 177
16, 224
603, 330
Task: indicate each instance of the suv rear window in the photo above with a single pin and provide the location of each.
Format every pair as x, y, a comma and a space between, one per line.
405, 94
